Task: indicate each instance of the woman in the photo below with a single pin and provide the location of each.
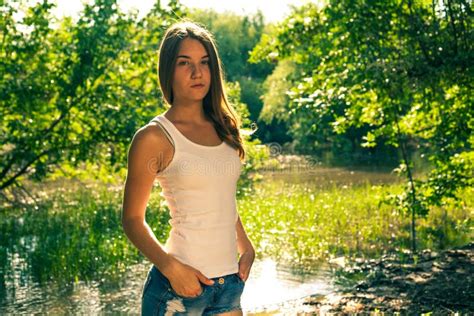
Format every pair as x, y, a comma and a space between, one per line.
194, 150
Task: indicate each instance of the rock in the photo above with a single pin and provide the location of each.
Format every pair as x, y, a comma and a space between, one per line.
440, 283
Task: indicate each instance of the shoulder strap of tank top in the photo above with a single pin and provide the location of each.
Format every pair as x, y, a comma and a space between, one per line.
158, 120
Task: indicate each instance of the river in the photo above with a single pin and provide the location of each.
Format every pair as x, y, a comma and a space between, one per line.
269, 285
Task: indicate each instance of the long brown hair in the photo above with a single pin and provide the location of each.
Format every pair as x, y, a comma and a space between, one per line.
216, 106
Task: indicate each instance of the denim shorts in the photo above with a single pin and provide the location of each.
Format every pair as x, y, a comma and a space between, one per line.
159, 298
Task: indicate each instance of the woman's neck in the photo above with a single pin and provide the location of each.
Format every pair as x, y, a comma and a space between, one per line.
187, 112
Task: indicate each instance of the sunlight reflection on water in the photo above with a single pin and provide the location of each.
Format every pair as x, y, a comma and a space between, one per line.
270, 284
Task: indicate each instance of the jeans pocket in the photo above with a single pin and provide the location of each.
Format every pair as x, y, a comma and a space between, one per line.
188, 298
239, 280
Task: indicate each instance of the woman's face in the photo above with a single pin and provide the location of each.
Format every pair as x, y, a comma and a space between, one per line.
192, 75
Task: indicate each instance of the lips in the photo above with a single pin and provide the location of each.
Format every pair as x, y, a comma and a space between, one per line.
199, 85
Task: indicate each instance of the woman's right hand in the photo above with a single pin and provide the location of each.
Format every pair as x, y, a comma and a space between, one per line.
185, 280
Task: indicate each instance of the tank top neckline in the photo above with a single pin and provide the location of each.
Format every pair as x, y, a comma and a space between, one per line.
187, 139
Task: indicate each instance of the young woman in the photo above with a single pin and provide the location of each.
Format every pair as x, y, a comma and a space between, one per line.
194, 150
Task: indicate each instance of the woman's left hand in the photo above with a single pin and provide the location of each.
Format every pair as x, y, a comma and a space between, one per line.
245, 264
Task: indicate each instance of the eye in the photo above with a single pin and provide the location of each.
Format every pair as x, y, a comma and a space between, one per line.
205, 62
183, 63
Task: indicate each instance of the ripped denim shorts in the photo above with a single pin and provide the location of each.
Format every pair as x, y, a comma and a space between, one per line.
159, 298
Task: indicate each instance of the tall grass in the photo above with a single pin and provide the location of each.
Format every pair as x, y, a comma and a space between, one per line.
75, 233
300, 224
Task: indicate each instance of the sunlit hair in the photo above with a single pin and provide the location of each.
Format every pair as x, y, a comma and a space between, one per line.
216, 106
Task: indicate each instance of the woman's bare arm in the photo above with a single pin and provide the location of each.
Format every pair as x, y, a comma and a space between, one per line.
245, 249
145, 158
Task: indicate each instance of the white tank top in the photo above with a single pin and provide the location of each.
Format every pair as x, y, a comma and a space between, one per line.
199, 187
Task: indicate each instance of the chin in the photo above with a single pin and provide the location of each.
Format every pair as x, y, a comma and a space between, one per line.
198, 96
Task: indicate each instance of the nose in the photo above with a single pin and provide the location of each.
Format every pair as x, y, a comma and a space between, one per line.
196, 72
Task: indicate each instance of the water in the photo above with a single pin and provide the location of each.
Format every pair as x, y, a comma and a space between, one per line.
268, 286
271, 285
328, 177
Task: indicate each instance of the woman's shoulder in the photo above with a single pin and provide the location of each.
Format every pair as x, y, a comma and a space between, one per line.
148, 150
150, 135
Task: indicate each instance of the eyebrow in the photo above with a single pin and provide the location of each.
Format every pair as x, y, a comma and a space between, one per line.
188, 57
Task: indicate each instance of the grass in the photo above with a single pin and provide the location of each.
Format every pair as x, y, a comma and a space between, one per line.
300, 224
74, 232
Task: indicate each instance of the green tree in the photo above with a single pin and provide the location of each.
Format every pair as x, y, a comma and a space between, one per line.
74, 93
397, 72
77, 92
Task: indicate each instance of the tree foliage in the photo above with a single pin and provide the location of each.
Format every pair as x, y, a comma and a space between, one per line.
394, 72
74, 93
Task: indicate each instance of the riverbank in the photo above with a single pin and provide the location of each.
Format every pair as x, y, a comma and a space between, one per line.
441, 283
296, 221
